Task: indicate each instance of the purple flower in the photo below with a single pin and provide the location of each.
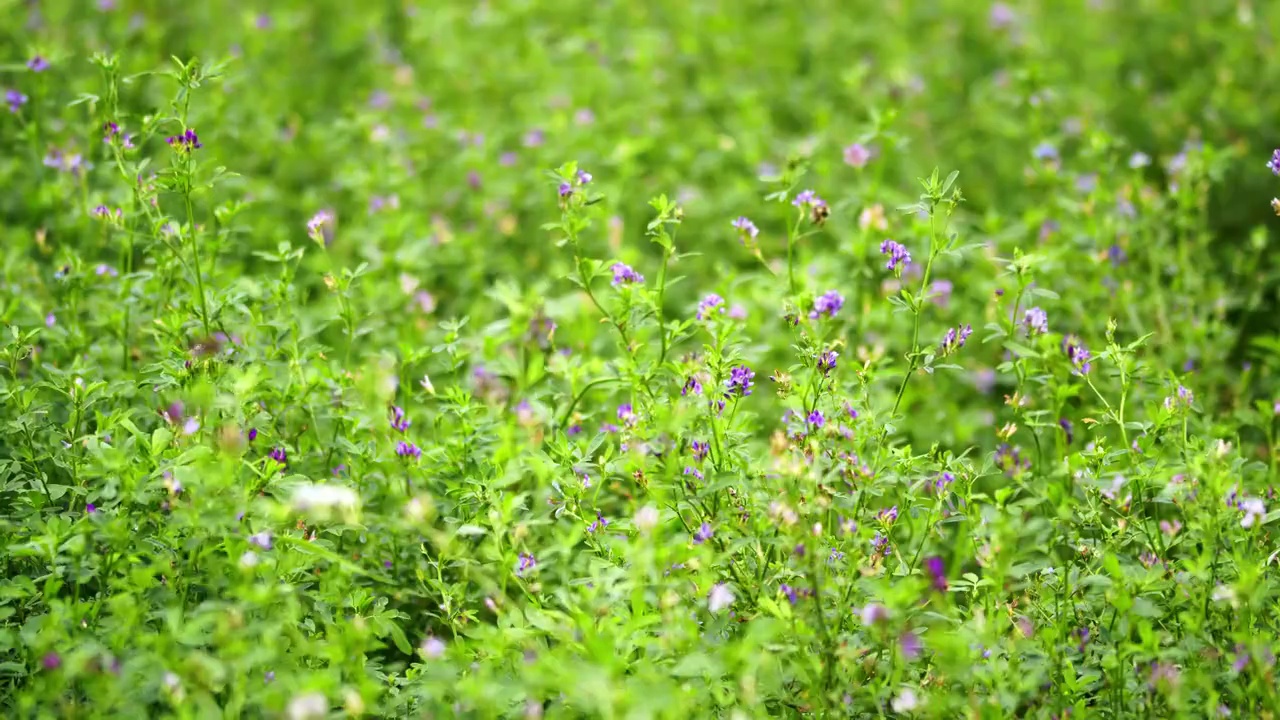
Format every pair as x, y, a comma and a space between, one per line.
1001, 16
1078, 354
583, 177
829, 303
320, 226
185, 142
943, 481
709, 303
15, 99
91, 508
873, 614
525, 564
808, 198
691, 470
933, 567
253, 434
627, 415
703, 534
790, 592
955, 339
1010, 460
1036, 321
699, 449
622, 273
534, 138
261, 539
910, 645
1045, 151
856, 155
747, 228
52, 661
898, 255
398, 419
816, 419
827, 361
279, 455
1065, 424
694, 386
880, 545
1242, 658
940, 292
741, 378
888, 515
407, 450
565, 189
50, 320
269, 676
1274, 163
598, 524
1082, 635
473, 180
38, 64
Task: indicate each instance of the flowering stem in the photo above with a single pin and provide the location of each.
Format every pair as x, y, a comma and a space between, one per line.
662, 289
195, 255
791, 266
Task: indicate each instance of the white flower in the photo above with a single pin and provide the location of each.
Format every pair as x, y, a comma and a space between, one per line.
426, 385
1224, 593
719, 598
415, 509
1253, 511
324, 496
646, 518
906, 701
308, 706
249, 560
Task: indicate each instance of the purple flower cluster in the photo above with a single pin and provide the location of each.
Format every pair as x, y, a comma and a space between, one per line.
746, 228
741, 379
279, 455
185, 142
899, 256
699, 448
816, 419
827, 362
1274, 163
703, 534
600, 523
1010, 460
525, 563
407, 450
1036, 321
828, 303
709, 303
857, 155
111, 132
15, 100
937, 573
692, 386
955, 339
809, 199
1078, 354
399, 421
622, 273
